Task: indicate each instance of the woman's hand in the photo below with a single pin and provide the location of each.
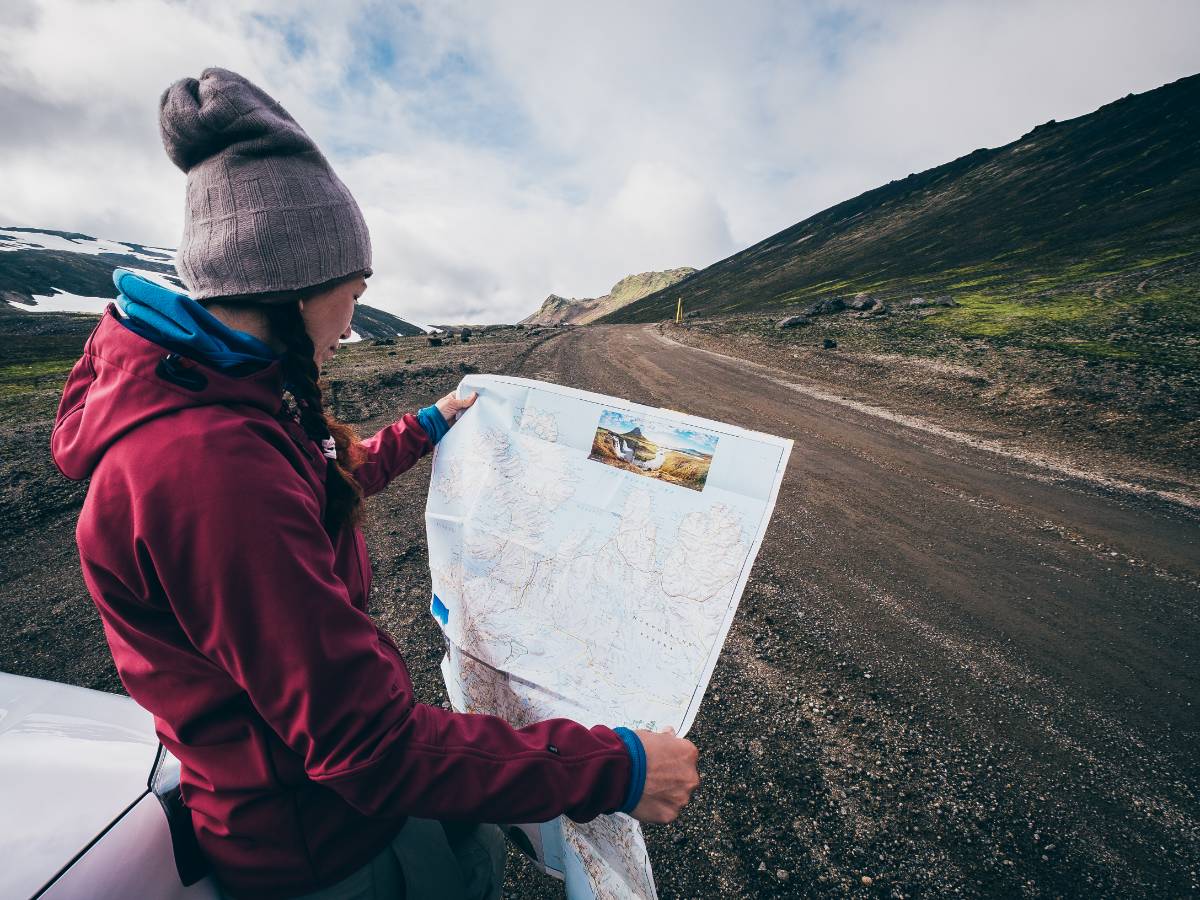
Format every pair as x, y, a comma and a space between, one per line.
671, 776
450, 406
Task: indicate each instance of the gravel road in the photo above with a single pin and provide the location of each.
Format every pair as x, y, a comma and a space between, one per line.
954, 671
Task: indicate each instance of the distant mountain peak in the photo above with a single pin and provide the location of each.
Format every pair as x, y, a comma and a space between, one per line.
555, 309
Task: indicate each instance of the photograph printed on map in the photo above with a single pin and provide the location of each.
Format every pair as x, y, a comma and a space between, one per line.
654, 448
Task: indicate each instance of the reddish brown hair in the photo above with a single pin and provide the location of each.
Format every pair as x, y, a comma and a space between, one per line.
302, 379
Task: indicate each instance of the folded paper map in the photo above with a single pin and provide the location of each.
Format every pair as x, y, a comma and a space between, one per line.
588, 555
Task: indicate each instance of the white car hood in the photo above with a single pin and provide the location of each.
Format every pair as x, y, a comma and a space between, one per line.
71, 761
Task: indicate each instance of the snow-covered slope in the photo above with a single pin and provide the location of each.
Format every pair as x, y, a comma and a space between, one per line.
61, 271
33, 239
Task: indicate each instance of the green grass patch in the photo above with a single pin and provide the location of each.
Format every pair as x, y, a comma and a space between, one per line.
976, 282
17, 378
1157, 327
990, 315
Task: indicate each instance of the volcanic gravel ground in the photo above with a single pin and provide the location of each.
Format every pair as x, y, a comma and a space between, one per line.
954, 671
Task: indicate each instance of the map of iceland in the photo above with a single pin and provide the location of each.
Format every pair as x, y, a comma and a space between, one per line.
587, 557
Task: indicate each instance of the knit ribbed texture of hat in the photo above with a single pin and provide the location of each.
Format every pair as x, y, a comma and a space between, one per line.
265, 211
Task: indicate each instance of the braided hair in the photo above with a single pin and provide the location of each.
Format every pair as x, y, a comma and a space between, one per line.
343, 494
302, 379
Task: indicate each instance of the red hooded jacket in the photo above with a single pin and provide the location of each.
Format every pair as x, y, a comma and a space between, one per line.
235, 620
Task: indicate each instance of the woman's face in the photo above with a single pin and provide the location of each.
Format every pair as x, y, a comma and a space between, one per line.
327, 317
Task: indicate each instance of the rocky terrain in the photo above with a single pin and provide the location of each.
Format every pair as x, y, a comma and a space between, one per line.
556, 310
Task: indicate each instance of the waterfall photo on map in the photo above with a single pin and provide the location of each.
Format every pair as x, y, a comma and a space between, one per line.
654, 448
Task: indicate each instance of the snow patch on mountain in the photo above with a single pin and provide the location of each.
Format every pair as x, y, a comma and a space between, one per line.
64, 301
32, 239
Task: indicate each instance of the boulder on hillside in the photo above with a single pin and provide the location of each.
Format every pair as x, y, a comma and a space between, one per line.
862, 301
829, 344
435, 341
383, 342
824, 307
793, 322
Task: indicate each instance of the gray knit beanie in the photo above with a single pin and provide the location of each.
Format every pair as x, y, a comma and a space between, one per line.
265, 212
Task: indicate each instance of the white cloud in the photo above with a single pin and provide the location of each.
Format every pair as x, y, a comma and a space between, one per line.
505, 151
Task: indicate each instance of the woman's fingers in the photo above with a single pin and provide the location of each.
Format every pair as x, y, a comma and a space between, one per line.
451, 407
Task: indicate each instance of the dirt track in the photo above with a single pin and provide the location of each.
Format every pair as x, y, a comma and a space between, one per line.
952, 671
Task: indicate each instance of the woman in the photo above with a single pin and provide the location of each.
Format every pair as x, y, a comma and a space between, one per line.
219, 541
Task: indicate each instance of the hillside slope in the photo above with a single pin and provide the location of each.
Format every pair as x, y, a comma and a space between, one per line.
557, 310
1098, 212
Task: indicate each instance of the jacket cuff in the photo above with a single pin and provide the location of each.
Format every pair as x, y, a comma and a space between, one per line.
637, 778
433, 422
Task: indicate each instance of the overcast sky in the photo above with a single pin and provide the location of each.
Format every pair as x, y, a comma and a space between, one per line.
502, 151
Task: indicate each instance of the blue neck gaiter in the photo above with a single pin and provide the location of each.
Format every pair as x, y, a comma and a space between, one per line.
179, 323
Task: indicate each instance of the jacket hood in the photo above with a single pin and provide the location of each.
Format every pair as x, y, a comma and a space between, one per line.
125, 379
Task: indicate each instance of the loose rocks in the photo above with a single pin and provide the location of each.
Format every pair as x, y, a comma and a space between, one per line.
862, 301
794, 322
824, 307
922, 302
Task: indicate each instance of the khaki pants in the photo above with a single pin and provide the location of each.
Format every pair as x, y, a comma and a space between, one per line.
429, 860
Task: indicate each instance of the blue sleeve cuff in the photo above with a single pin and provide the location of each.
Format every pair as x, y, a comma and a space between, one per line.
433, 422
637, 782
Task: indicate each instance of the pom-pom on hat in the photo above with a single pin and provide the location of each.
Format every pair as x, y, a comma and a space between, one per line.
265, 211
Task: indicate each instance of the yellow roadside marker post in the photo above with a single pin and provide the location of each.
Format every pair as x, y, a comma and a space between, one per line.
678, 310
